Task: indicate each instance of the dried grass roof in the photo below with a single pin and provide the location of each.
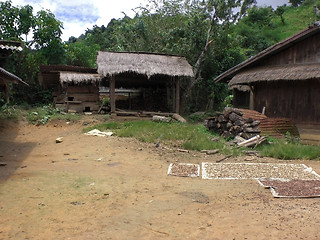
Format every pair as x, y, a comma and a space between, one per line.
77, 78
276, 73
229, 74
113, 63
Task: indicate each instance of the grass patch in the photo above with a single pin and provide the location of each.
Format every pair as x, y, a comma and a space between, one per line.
283, 150
184, 135
11, 112
41, 115
196, 137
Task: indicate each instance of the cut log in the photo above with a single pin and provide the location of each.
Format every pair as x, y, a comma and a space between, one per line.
178, 118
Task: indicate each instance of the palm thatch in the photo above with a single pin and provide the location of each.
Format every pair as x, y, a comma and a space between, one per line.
276, 73
114, 63
78, 78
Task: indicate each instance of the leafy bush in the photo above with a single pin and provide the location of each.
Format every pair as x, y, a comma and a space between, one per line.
42, 115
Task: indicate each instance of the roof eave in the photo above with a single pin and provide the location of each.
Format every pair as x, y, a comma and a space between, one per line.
227, 75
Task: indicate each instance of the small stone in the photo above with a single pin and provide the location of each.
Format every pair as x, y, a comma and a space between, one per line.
59, 140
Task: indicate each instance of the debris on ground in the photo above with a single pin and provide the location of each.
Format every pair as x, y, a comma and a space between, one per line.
157, 118
96, 132
210, 152
253, 142
59, 140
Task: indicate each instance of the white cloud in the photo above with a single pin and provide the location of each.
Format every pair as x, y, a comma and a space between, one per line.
78, 15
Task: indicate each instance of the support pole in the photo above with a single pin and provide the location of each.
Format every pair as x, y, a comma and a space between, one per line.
177, 95
173, 94
112, 87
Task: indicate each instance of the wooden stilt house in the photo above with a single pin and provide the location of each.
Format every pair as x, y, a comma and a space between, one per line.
74, 89
157, 76
283, 81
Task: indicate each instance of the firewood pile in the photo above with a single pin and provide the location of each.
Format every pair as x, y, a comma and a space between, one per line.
231, 123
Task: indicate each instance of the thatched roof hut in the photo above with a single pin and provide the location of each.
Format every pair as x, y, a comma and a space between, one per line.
139, 69
114, 63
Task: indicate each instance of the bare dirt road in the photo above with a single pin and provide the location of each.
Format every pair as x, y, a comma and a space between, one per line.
116, 188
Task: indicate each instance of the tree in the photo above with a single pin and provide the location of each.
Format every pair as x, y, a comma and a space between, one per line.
280, 11
296, 3
15, 21
46, 46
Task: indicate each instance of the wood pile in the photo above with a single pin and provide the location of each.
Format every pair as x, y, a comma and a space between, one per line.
232, 123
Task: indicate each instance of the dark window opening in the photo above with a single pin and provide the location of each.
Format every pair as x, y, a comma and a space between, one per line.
87, 109
70, 98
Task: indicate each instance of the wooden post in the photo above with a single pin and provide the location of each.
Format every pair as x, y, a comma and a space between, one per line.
177, 95
168, 95
112, 87
173, 94
251, 104
7, 91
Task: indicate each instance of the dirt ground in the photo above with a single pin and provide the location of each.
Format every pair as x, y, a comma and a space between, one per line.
115, 188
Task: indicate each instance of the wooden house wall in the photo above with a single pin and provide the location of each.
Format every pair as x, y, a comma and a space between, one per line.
306, 51
79, 98
297, 100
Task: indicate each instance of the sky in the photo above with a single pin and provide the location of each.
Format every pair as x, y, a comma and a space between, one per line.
79, 15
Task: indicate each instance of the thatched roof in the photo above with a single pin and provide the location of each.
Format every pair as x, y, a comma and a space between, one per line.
7, 76
276, 73
77, 78
114, 63
257, 59
52, 75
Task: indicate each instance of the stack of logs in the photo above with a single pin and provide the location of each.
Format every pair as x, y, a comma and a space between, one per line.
231, 123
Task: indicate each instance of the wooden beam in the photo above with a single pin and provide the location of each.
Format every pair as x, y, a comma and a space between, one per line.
177, 95
112, 87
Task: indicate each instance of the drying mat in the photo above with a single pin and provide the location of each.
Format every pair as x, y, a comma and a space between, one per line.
292, 188
257, 171
184, 170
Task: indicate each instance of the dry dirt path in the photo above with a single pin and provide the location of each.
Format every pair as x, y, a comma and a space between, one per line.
114, 188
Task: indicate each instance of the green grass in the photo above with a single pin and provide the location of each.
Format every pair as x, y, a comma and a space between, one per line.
11, 112
187, 136
41, 115
196, 137
282, 149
